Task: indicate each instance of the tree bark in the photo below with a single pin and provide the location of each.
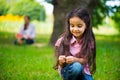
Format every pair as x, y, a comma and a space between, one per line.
61, 8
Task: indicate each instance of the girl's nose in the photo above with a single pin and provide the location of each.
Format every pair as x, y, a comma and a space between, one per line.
75, 28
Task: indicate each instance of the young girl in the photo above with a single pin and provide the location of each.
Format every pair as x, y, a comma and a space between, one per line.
76, 48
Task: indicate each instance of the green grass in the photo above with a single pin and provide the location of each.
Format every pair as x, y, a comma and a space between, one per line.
35, 63
24, 62
108, 67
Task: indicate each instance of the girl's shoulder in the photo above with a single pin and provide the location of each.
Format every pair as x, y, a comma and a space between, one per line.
59, 41
32, 25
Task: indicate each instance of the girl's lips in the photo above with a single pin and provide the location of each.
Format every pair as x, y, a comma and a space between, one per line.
76, 32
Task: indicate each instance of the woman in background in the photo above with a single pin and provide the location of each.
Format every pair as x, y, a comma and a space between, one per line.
27, 33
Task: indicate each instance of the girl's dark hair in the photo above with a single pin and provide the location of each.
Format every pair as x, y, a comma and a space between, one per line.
26, 24
88, 39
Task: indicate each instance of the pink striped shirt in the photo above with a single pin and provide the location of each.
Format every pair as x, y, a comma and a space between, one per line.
75, 48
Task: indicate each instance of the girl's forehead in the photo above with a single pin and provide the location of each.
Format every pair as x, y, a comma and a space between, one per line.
76, 20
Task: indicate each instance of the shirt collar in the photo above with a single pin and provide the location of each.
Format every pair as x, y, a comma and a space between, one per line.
74, 40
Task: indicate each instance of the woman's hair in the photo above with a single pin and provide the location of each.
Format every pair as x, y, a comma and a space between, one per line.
88, 39
28, 17
26, 24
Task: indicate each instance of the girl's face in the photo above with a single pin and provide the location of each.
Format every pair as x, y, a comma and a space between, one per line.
77, 26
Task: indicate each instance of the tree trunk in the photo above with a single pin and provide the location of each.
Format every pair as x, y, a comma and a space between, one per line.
61, 8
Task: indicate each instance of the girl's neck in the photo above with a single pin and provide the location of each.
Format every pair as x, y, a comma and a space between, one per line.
78, 38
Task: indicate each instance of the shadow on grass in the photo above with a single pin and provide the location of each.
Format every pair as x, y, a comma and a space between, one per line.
6, 38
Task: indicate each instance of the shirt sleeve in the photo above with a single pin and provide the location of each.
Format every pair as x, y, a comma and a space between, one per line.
33, 32
57, 44
21, 30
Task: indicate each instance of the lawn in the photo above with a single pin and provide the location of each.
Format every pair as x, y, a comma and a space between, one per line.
35, 62
24, 62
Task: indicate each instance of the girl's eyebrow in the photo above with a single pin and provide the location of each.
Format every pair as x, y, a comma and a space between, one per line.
79, 24
71, 24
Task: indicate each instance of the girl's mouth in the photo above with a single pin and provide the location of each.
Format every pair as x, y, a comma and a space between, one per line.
76, 32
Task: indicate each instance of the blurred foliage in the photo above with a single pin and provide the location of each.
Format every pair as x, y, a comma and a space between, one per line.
11, 17
3, 7
49, 1
116, 18
30, 8
100, 12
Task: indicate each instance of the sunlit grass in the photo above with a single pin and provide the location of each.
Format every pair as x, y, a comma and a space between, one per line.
12, 23
105, 30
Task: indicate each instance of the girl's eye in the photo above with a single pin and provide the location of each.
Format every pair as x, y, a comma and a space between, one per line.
72, 25
79, 26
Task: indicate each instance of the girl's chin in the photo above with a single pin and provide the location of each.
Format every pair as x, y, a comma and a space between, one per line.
76, 36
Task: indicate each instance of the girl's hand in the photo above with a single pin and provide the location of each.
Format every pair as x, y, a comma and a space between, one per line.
19, 36
20, 41
62, 60
28, 37
70, 59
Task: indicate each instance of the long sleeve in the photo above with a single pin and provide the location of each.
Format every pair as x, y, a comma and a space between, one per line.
21, 30
29, 32
33, 32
